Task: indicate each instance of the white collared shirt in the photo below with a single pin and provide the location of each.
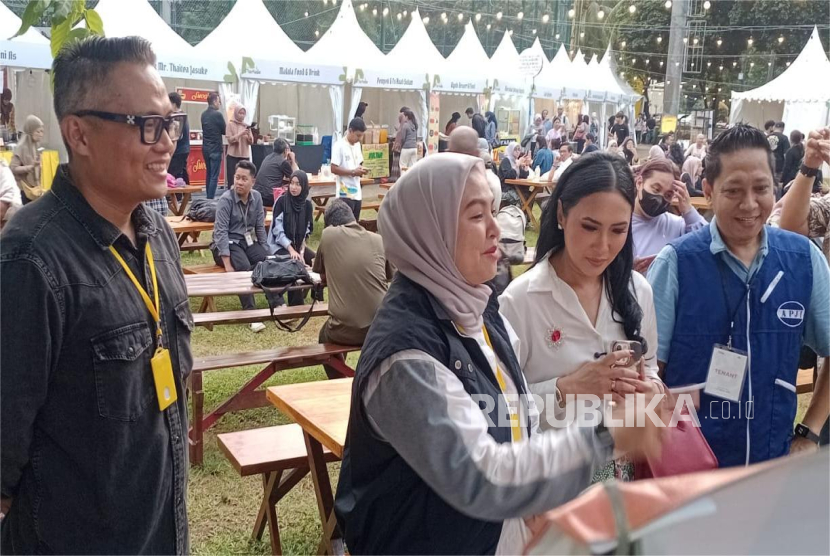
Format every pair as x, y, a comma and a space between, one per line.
541, 307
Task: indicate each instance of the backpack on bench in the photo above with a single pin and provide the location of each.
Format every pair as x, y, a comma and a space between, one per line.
202, 210
512, 221
274, 276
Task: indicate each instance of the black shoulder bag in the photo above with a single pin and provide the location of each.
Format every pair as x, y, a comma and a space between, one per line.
274, 276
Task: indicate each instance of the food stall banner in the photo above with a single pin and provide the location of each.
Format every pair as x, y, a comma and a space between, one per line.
459, 84
27, 55
546, 92
194, 96
295, 72
376, 160
186, 67
514, 87
390, 80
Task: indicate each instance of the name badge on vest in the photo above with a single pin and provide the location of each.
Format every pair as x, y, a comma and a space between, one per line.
727, 371
249, 239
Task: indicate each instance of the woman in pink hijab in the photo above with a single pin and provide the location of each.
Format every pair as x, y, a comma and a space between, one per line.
443, 453
240, 139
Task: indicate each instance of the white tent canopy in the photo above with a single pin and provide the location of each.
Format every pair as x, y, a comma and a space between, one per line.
800, 96
511, 89
175, 57
30, 50
554, 75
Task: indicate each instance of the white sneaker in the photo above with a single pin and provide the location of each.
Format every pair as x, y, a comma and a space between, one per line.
257, 327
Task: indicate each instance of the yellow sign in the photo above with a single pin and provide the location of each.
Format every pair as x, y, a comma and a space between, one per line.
376, 160
668, 123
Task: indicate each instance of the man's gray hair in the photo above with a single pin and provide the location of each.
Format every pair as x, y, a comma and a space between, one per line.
338, 213
81, 69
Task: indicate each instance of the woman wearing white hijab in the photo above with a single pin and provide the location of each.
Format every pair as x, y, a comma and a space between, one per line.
426, 468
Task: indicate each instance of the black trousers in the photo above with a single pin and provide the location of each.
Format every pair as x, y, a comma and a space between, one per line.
230, 168
355, 206
178, 167
298, 297
244, 257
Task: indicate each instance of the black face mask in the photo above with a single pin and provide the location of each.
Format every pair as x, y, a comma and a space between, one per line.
653, 205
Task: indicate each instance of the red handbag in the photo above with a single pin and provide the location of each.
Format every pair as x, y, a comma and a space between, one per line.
685, 450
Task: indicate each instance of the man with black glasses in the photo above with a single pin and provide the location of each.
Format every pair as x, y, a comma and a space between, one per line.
96, 337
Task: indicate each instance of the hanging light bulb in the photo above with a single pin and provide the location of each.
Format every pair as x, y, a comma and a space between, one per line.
362, 7
445, 21
405, 13
685, 40
622, 74
622, 44
769, 64
386, 10
443, 15
600, 14
426, 20
661, 63
375, 12
399, 16
668, 82
720, 67
534, 31
571, 13
752, 64
647, 60
659, 39
668, 4
677, 63
478, 17
718, 89
305, 14
780, 39
316, 32
734, 64
750, 41
498, 15
557, 36
632, 8
707, 5
788, 64
520, 16
582, 35
510, 32
708, 64
545, 18
720, 42
325, 2
488, 26
634, 60
696, 40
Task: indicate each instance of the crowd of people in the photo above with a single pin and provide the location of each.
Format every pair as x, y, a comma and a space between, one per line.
624, 297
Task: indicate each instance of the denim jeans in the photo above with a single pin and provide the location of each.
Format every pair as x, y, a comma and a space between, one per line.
213, 162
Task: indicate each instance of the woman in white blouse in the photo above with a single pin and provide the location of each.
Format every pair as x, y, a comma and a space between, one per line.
581, 294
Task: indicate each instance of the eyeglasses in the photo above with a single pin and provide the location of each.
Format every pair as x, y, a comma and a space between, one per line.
150, 126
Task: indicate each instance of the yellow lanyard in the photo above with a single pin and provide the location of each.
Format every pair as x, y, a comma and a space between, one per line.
153, 308
515, 427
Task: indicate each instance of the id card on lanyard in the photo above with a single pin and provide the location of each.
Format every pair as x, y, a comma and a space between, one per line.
160, 365
728, 366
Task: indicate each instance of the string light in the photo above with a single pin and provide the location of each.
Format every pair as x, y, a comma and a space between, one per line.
362, 7
780, 39
707, 5
752, 64
498, 16
520, 16
443, 15
622, 44
685, 40
647, 60
386, 11
708, 64
399, 16
659, 39
317, 33
582, 35
426, 20
571, 13
695, 41
375, 12
769, 64
557, 36
720, 67
534, 31
488, 26
545, 18
478, 17
510, 32
720, 42
460, 17
750, 41
600, 14
661, 63
405, 13
668, 4
788, 64
632, 8
734, 64
305, 14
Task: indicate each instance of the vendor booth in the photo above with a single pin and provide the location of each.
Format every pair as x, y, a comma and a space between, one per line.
283, 95
800, 97
510, 92
460, 83
24, 62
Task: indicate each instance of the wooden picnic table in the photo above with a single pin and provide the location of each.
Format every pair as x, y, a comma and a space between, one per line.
183, 228
322, 410
178, 207
533, 189
219, 284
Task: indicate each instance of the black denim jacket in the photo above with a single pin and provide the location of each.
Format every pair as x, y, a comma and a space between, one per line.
91, 463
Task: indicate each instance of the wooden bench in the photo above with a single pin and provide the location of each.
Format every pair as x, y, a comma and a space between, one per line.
284, 312
279, 455
248, 397
211, 268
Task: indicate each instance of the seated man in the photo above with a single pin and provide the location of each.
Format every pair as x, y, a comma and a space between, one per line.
239, 239
735, 301
275, 171
566, 158
590, 144
351, 261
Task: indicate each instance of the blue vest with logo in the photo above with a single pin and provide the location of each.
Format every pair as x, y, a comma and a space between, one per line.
770, 332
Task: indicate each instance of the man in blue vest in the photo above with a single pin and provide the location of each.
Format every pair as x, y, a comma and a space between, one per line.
735, 302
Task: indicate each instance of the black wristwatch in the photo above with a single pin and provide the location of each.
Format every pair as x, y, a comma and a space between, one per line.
807, 171
804, 432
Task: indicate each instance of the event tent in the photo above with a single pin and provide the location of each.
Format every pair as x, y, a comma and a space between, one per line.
461, 82
800, 97
511, 89
279, 82
549, 83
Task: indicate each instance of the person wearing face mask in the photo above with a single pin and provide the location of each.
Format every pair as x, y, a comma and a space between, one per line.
423, 470
652, 225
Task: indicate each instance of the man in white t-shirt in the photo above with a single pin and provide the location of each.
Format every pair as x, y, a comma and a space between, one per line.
347, 166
